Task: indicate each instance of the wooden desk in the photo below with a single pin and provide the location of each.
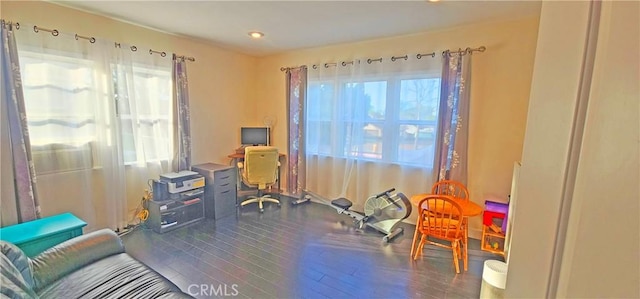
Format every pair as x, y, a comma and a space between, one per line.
240, 157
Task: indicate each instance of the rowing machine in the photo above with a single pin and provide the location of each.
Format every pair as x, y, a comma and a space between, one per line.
382, 211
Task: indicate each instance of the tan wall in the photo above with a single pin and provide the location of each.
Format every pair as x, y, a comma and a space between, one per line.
501, 78
220, 87
229, 90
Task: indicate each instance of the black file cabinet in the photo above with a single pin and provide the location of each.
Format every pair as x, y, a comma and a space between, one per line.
168, 215
220, 197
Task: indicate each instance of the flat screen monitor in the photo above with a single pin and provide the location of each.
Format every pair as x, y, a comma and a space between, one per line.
254, 136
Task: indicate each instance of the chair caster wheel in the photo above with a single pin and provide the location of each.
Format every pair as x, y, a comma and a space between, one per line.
261, 210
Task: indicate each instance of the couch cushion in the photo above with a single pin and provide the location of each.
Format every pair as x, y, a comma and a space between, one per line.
19, 260
12, 284
16, 280
71, 255
116, 276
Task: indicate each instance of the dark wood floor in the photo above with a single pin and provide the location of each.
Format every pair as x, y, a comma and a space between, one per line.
305, 251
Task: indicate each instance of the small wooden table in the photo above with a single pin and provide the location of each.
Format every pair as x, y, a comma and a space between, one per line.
34, 237
469, 209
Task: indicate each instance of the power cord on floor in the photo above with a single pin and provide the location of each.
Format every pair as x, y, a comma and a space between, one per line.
141, 213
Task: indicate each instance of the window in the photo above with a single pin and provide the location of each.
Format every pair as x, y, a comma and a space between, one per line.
384, 118
59, 94
69, 105
149, 117
417, 120
320, 110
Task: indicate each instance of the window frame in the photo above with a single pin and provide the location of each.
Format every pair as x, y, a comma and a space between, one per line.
391, 123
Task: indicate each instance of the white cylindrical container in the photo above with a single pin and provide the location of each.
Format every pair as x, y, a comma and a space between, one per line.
494, 279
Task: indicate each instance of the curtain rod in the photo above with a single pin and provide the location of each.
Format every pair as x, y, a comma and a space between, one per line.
92, 40
460, 52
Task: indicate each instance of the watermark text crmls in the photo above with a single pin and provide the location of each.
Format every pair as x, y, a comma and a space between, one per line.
212, 290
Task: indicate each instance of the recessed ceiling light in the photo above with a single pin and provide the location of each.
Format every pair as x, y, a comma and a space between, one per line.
256, 34
433, 0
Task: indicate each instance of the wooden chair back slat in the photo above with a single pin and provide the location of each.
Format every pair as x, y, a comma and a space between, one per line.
451, 188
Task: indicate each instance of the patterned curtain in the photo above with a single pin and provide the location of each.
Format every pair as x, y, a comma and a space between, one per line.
13, 98
182, 131
453, 123
296, 94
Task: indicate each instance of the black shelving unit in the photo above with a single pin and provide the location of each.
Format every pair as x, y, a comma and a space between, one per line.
168, 215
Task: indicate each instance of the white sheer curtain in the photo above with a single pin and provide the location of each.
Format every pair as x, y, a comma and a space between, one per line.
95, 129
144, 101
371, 126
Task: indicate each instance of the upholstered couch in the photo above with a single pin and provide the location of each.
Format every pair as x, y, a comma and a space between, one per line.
94, 265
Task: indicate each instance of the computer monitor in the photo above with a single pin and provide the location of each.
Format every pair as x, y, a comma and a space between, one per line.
254, 136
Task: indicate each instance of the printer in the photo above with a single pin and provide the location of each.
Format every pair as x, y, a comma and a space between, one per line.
182, 181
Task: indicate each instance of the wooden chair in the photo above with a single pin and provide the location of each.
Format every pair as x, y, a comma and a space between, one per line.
458, 190
451, 188
440, 218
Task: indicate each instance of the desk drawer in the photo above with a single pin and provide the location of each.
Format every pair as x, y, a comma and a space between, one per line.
222, 178
225, 201
225, 194
225, 185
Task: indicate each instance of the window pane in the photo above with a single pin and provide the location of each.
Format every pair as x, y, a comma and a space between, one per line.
365, 100
128, 141
364, 141
358, 126
320, 101
152, 91
59, 100
419, 99
146, 135
416, 144
154, 135
319, 137
59, 96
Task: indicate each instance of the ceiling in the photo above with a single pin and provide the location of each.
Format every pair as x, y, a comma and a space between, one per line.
290, 25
